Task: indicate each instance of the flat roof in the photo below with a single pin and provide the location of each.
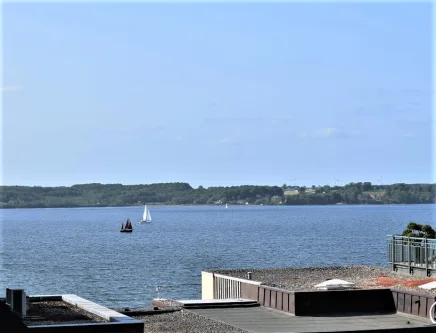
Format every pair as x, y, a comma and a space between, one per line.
265, 320
305, 278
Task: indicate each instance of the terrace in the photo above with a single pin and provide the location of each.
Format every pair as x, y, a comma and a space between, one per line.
376, 298
412, 255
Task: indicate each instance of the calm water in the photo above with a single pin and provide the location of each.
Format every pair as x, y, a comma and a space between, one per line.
81, 251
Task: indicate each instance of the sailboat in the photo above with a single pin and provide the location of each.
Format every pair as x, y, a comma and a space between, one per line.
227, 206
146, 217
127, 228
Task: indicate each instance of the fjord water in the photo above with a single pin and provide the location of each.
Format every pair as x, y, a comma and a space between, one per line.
81, 251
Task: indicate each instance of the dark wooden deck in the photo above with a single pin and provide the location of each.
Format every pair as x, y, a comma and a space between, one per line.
264, 320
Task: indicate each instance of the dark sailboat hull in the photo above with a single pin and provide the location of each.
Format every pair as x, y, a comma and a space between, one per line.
127, 227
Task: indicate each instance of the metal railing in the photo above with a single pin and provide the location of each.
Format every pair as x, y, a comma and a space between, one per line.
412, 252
229, 287
226, 287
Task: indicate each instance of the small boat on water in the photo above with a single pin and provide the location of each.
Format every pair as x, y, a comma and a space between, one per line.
146, 217
127, 227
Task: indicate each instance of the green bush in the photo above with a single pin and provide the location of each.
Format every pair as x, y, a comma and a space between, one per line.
414, 229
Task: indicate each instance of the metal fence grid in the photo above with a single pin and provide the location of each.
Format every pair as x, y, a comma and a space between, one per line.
412, 252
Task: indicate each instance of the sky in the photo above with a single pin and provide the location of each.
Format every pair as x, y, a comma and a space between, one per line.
217, 94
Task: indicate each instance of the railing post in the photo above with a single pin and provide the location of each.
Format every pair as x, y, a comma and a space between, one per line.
393, 252
410, 254
214, 286
426, 256
402, 252
431, 255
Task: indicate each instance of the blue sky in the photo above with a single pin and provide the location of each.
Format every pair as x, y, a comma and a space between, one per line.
216, 94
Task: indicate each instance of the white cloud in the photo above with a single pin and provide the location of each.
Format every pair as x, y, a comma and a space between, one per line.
225, 140
327, 133
11, 88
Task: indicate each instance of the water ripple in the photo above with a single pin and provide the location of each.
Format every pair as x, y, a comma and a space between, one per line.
81, 251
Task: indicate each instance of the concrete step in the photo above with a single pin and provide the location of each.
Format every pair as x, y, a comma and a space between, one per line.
217, 303
216, 306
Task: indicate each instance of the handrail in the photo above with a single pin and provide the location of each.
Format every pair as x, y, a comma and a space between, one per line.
398, 237
237, 279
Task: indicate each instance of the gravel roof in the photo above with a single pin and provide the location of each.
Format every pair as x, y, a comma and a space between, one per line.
184, 321
305, 279
58, 312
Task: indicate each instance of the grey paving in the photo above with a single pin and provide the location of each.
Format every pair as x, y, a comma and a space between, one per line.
305, 278
265, 320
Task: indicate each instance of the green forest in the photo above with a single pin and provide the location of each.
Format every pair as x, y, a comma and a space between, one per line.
104, 195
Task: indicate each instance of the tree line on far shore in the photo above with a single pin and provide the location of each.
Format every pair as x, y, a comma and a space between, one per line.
103, 195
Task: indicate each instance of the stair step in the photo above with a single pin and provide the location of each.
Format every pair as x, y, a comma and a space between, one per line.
220, 305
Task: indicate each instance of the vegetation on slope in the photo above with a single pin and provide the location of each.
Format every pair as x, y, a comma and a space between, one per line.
87, 195
364, 193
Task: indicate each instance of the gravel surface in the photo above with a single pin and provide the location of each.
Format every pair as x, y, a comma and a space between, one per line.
123, 310
167, 302
305, 279
183, 322
57, 312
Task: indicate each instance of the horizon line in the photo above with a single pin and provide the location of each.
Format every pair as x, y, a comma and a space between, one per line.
234, 185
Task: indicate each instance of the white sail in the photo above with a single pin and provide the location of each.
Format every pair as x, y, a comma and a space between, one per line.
227, 206
146, 216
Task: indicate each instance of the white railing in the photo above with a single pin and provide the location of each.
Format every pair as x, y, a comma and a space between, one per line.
227, 287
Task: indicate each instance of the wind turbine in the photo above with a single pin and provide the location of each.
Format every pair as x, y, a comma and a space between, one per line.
381, 180
336, 181
293, 181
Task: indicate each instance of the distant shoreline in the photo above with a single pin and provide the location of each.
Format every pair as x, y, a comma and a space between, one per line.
183, 194
205, 205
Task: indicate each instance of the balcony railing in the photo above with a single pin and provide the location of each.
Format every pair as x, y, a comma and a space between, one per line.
412, 252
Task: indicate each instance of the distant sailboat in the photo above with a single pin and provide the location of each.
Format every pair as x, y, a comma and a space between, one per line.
227, 206
146, 217
127, 228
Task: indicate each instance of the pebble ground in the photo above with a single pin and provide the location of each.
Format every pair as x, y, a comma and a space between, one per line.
58, 312
305, 279
184, 321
